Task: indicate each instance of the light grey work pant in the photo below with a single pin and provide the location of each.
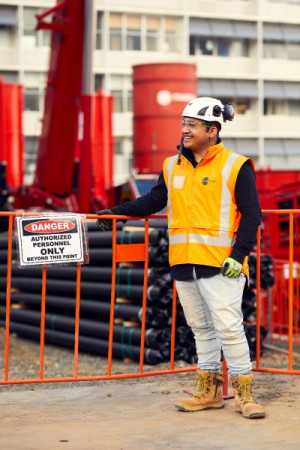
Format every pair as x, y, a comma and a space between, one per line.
212, 308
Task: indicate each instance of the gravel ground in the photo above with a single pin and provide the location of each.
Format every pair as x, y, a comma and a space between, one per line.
134, 413
24, 357
59, 362
24, 362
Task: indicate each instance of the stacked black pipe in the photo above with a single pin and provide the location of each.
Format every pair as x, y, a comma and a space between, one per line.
96, 295
95, 298
249, 300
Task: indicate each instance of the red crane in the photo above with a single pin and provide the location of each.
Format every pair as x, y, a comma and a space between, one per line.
74, 169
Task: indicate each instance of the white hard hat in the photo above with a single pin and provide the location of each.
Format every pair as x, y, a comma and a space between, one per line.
209, 109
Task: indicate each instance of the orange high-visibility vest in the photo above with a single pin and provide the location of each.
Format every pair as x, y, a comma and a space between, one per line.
203, 218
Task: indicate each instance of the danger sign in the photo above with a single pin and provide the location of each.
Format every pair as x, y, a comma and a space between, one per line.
53, 226
50, 239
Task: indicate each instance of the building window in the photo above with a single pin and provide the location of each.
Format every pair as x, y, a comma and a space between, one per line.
8, 26
7, 36
115, 31
240, 48
98, 81
31, 99
219, 47
129, 100
31, 150
120, 88
152, 33
293, 51
118, 146
172, 36
147, 33
31, 37
99, 30
206, 46
241, 106
9, 76
274, 107
273, 50
293, 107
281, 107
133, 41
223, 47
122, 100
281, 50
34, 86
118, 100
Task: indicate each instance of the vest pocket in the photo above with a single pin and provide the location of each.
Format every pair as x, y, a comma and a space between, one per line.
178, 181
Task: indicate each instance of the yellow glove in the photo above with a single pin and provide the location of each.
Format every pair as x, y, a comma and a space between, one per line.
231, 268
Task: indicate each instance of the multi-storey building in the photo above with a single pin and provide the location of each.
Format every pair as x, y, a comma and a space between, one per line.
246, 52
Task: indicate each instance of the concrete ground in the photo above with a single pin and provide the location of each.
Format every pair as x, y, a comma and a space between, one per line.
139, 414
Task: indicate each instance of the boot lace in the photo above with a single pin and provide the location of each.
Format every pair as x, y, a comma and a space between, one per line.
246, 393
202, 384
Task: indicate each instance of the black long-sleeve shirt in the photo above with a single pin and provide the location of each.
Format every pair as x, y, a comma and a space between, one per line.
247, 201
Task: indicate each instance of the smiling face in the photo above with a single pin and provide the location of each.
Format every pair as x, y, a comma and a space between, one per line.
194, 133
197, 135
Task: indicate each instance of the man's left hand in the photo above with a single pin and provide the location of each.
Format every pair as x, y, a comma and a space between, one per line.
104, 224
231, 268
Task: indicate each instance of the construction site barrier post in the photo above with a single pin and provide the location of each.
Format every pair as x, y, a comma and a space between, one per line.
139, 252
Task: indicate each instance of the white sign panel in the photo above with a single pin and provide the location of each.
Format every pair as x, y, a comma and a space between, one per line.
49, 239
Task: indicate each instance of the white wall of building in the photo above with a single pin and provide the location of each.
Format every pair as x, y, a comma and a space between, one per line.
245, 51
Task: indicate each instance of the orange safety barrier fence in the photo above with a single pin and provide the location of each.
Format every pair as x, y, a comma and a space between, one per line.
278, 309
275, 304
139, 252
121, 252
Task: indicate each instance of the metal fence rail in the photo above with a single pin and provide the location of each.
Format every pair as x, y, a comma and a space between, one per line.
139, 252
283, 296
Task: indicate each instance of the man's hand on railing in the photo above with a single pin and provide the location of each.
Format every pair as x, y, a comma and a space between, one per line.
104, 224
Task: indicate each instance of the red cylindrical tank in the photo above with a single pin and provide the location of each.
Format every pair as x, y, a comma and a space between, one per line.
11, 136
160, 92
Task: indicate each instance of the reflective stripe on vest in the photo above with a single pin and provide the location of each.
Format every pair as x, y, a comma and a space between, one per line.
226, 195
217, 241
169, 171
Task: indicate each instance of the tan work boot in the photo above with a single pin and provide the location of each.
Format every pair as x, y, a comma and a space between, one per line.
208, 394
245, 402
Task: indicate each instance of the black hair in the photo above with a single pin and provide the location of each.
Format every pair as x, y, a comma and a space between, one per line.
213, 124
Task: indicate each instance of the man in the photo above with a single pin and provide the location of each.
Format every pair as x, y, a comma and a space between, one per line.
213, 216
